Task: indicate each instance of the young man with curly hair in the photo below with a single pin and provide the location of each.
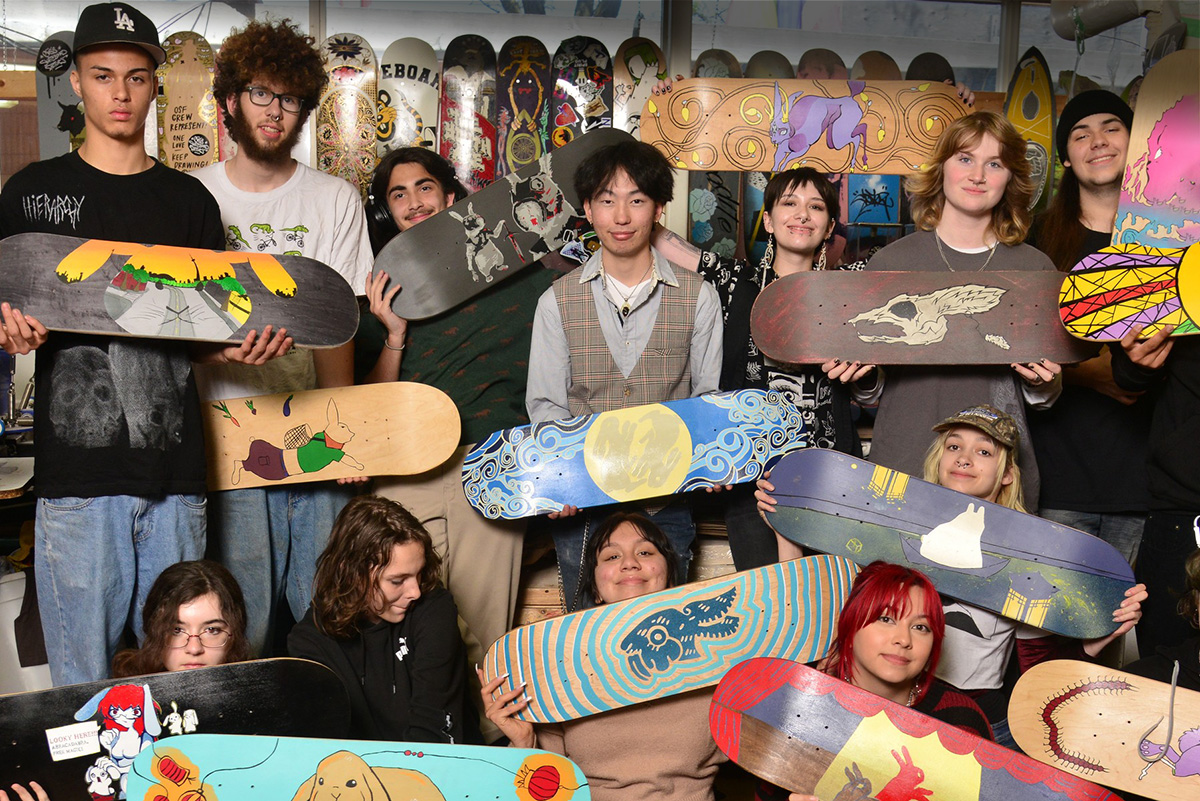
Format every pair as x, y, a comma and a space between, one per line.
269, 78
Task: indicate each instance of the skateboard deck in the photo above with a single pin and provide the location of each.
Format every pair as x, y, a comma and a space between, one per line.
631, 454
716, 64
346, 118
583, 90
1160, 199
811, 733
60, 117
1029, 106
1017, 565
1116, 728
875, 65
232, 768
884, 127
769, 64
92, 286
638, 65
489, 236
681, 639
409, 79
467, 131
187, 111
79, 741
766, 65
1126, 286
523, 95
914, 318
713, 197
392, 429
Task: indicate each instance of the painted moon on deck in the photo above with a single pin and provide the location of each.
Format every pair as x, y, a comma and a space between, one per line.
639, 452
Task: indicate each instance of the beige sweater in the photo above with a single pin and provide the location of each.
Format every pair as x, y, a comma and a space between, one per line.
658, 750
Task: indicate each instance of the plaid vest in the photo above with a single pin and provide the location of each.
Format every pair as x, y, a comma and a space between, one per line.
663, 372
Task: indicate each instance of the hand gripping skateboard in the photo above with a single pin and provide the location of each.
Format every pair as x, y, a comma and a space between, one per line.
670, 642
1020, 566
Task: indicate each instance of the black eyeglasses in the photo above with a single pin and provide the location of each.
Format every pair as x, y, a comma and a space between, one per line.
261, 96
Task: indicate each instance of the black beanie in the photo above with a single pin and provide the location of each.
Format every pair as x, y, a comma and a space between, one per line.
1085, 104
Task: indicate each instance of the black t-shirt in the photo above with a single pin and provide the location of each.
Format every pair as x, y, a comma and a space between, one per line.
1091, 449
114, 415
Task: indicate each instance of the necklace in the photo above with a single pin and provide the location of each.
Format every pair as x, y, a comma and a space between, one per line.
625, 308
942, 253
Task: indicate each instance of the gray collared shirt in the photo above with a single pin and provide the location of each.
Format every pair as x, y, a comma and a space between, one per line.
550, 357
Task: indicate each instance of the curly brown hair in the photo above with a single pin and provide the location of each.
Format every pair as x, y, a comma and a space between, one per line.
181, 583
273, 51
360, 546
927, 196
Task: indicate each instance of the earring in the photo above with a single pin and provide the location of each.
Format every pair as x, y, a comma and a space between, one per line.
821, 257
768, 258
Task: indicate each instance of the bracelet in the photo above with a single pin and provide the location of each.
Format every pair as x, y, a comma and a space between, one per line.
389, 347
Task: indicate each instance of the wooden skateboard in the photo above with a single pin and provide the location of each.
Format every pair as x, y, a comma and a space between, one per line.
914, 318
467, 130
81, 739
713, 197
773, 66
639, 63
631, 454
489, 236
1160, 199
92, 286
60, 118
1130, 733
875, 65
232, 768
392, 429
187, 111
1122, 287
1017, 565
409, 79
681, 639
1030, 108
716, 64
885, 127
523, 95
811, 733
345, 116
583, 91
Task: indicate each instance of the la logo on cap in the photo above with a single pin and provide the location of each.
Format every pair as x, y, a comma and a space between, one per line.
123, 21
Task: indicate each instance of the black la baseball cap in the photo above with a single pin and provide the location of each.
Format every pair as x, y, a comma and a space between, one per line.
117, 23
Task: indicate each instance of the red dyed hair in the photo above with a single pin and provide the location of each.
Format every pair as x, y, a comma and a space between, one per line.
124, 696
883, 587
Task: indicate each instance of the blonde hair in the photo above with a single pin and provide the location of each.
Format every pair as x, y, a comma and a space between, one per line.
1010, 495
926, 191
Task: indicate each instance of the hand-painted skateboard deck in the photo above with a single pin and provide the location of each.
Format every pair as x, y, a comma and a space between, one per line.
60, 118
523, 90
127, 289
1017, 565
714, 200
716, 64
1160, 197
631, 454
875, 65
467, 131
81, 739
1030, 108
811, 733
914, 318
453, 256
1115, 728
583, 90
394, 429
684, 638
346, 118
231, 768
772, 66
409, 80
187, 111
883, 127
637, 66
1123, 287
769, 64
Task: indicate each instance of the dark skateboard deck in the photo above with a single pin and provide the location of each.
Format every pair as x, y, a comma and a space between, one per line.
92, 286
1020, 566
467, 131
523, 90
409, 80
346, 116
1134, 734
79, 741
1030, 107
187, 111
583, 90
60, 117
914, 318
453, 256
631, 454
232, 768
673, 641
637, 66
811, 733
